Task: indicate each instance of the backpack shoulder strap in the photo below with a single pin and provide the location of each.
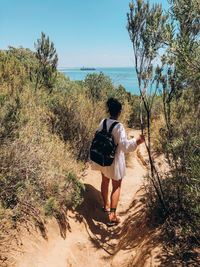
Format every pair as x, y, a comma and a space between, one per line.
112, 126
104, 125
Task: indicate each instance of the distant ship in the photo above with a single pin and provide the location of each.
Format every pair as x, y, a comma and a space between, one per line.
83, 68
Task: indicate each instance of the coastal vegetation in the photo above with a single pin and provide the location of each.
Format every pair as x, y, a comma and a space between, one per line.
47, 123
174, 193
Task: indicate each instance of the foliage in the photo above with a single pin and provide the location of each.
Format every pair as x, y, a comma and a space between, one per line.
147, 27
47, 63
37, 159
98, 85
74, 117
12, 74
176, 134
75, 198
43, 133
34, 162
26, 58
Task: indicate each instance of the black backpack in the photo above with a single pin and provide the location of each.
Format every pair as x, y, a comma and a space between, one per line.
102, 150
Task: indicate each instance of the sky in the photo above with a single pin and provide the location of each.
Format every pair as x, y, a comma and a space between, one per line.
89, 33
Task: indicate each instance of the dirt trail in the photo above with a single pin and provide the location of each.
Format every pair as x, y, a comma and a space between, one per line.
89, 242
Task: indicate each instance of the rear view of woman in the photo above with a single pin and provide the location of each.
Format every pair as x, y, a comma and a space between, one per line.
117, 170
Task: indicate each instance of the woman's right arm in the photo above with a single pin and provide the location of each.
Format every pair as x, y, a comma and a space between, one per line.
123, 143
127, 145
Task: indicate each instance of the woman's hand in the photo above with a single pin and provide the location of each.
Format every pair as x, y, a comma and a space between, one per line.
141, 139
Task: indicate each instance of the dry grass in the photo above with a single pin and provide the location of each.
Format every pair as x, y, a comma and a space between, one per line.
37, 169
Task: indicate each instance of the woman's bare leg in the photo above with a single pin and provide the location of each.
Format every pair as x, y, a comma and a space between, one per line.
116, 187
104, 191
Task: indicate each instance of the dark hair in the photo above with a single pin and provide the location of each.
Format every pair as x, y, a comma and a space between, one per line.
114, 106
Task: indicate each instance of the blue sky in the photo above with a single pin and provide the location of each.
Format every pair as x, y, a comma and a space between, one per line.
85, 32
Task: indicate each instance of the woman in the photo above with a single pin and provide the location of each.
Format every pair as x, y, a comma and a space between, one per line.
117, 170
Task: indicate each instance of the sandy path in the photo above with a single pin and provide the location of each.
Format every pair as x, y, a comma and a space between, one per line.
88, 241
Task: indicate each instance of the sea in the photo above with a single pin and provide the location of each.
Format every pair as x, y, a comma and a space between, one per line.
119, 76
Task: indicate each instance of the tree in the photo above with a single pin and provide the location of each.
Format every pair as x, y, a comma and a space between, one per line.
147, 27
181, 106
178, 80
47, 63
98, 85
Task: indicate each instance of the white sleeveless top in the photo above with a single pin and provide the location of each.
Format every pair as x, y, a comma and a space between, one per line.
118, 168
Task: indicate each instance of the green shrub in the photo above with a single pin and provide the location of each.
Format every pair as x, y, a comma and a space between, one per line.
34, 163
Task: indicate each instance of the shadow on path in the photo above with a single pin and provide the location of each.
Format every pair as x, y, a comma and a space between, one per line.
144, 235
137, 236
95, 220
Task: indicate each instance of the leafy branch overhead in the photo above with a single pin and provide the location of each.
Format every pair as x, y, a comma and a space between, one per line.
146, 27
147, 30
